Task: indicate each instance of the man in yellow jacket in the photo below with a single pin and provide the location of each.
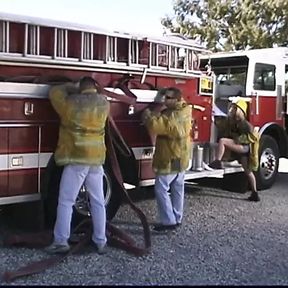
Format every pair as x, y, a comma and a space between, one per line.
81, 150
172, 128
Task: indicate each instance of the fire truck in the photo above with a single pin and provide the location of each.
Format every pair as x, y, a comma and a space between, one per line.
133, 70
260, 76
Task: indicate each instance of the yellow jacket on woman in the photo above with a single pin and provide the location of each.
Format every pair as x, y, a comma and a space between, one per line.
173, 141
82, 129
242, 132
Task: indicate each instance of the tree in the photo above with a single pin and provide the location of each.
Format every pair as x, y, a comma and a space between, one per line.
231, 24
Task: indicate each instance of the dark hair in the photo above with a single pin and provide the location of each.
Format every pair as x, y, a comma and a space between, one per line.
176, 92
87, 82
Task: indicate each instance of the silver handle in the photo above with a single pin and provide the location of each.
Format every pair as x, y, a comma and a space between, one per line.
28, 108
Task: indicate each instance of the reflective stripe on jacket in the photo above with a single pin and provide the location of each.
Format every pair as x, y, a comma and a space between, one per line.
82, 129
173, 141
254, 150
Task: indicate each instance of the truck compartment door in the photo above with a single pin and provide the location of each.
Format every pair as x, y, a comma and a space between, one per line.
3, 161
23, 162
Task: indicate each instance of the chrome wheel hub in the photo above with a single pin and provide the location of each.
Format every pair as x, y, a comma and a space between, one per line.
267, 163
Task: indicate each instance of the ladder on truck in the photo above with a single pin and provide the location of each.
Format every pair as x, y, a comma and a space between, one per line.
45, 43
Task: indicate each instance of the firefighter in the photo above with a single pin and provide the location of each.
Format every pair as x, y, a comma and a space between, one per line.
81, 150
240, 137
172, 128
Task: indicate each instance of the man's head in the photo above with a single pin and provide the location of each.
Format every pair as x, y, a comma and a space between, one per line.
87, 82
172, 96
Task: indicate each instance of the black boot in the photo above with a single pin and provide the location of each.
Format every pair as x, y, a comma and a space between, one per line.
216, 164
254, 197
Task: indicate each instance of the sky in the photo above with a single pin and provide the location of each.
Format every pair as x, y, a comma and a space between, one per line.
134, 16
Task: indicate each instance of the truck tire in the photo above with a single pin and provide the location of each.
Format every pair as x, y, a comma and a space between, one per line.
268, 162
50, 192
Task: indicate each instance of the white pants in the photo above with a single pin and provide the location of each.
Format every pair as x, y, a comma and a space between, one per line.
73, 177
170, 207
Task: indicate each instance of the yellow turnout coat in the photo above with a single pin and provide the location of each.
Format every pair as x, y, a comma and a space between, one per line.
173, 141
82, 129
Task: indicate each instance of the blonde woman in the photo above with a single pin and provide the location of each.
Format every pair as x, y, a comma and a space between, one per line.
241, 139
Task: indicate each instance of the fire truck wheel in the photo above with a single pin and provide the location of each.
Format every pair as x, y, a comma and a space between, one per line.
50, 192
115, 201
268, 162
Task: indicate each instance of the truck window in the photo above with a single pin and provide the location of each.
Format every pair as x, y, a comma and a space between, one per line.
230, 81
231, 75
264, 77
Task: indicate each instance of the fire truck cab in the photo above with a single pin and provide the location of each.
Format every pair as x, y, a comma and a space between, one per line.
261, 77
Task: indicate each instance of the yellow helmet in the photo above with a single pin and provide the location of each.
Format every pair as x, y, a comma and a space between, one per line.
242, 104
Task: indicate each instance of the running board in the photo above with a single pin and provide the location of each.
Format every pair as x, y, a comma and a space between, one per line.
190, 175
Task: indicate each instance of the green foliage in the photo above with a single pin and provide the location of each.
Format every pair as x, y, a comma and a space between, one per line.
231, 24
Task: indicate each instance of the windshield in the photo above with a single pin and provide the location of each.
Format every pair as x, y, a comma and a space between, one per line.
231, 75
230, 82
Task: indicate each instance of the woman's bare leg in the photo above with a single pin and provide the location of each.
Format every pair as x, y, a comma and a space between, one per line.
250, 175
229, 144
251, 178
252, 181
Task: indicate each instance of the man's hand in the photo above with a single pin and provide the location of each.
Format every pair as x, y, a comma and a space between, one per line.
158, 108
71, 88
154, 110
145, 115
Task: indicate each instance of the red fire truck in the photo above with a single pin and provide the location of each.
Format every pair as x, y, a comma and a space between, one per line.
261, 77
37, 53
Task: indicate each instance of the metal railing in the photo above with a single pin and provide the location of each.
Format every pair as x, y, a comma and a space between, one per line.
133, 53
